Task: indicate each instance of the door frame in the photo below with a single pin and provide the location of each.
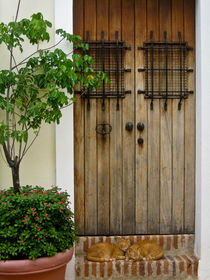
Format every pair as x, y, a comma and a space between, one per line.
64, 132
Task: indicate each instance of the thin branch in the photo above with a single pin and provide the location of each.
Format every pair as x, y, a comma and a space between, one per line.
27, 148
17, 12
24, 60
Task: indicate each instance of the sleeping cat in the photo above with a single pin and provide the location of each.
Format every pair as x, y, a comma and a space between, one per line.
144, 250
105, 252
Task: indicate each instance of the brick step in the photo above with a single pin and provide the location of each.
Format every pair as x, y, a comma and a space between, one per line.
178, 263
170, 267
170, 243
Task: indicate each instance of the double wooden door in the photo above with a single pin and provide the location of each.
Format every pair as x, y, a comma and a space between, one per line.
121, 186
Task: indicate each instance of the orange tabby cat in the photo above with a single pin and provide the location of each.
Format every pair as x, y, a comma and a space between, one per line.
105, 252
144, 250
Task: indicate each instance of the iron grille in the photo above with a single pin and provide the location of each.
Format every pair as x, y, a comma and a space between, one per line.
166, 71
108, 57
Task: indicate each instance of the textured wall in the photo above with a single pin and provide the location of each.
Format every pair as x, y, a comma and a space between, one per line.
38, 167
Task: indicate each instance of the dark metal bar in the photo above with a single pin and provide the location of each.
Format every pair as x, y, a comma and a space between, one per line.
180, 101
151, 38
164, 69
164, 92
88, 93
166, 54
103, 68
117, 65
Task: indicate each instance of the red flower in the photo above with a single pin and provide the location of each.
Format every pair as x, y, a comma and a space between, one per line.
38, 238
32, 209
10, 194
45, 234
38, 218
26, 217
4, 203
21, 241
46, 215
28, 195
25, 220
38, 229
12, 211
4, 196
36, 226
61, 208
45, 203
60, 202
34, 213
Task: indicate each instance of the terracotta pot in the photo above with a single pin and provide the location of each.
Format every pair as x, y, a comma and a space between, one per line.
52, 268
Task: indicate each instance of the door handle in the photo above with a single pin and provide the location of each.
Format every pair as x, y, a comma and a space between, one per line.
129, 126
140, 126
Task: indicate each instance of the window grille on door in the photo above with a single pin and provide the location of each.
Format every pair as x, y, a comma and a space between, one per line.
166, 71
108, 57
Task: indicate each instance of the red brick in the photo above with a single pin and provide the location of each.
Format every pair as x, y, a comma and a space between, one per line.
101, 238
166, 267
158, 267
102, 269
108, 239
78, 271
181, 264
195, 260
175, 242
125, 268
109, 269
161, 238
142, 268
93, 240
189, 265
86, 244
134, 268
94, 269
86, 269
168, 246
183, 239
117, 265
154, 238
149, 268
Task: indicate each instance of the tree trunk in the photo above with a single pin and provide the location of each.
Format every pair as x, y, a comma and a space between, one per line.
16, 178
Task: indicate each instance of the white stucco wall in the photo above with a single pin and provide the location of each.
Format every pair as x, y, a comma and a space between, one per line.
202, 244
38, 167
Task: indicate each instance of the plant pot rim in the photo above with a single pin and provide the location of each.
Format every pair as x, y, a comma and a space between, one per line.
20, 267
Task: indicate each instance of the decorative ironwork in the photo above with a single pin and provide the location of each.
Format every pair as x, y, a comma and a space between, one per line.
109, 58
103, 128
165, 70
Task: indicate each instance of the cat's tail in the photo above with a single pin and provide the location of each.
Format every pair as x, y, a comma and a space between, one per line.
97, 259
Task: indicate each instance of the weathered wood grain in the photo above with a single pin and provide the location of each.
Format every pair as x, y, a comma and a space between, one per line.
189, 210
91, 211
141, 116
79, 172
128, 116
103, 142
178, 134
165, 132
116, 135
153, 134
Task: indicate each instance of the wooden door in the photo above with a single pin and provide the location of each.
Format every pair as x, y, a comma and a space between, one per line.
121, 186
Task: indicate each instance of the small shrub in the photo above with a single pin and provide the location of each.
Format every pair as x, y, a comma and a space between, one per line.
35, 223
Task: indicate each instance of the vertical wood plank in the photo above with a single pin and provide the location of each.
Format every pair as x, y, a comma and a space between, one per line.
115, 136
165, 133
79, 173
141, 116
153, 134
90, 138
128, 116
178, 134
189, 33
103, 142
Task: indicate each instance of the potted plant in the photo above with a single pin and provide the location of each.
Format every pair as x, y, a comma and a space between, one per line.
36, 227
